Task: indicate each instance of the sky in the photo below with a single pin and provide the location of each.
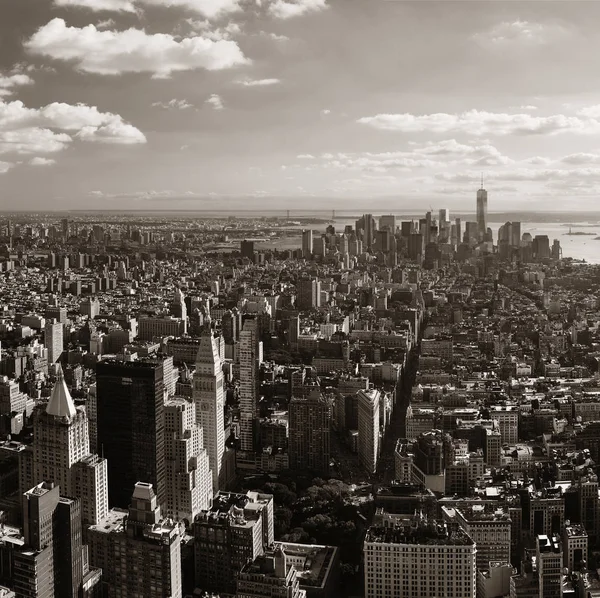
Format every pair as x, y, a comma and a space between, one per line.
306, 104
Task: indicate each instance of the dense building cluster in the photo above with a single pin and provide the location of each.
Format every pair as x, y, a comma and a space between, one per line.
178, 417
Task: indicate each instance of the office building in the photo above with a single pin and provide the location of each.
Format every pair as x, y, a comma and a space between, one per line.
249, 383
308, 293
138, 551
151, 328
247, 249
574, 545
60, 454
482, 206
368, 429
178, 308
188, 478
549, 565
309, 429
53, 339
209, 398
419, 557
51, 561
307, 244
388, 222
131, 429
235, 531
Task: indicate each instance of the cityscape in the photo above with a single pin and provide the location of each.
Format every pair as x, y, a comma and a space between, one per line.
299, 299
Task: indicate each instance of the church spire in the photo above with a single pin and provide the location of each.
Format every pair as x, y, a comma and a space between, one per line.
61, 404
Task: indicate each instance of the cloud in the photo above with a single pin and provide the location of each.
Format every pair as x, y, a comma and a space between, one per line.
5, 167
428, 155
106, 24
215, 101
32, 140
8, 83
37, 161
581, 158
274, 36
149, 194
287, 9
208, 8
476, 122
520, 33
574, 176
258, 82
131, 51
325, 112
53, 128
590, 111
173, 105
207, 29
98, 5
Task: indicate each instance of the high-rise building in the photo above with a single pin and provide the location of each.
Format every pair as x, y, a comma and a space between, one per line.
179, 309
369, 230
235, 531
309, 429
444, 216
249, 383
53, 339
188, 479
418, 557
139, 551
308, 293
388, 221
247, 249
209, 398
131, 429
368, 429
61, 454
307, 243
482, 205
550, 566
52, 561
515, 240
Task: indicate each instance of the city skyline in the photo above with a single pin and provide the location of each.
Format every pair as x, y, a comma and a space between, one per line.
192, 104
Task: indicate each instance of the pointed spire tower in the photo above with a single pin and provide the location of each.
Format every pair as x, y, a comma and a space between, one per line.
61, 404
209, 397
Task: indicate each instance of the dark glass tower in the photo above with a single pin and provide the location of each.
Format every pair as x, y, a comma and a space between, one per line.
130, 397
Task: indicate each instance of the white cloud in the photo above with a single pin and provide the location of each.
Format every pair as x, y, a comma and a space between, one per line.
8, 83
131, 51
274, 36
5, 167
208, 8
52, 128
575, 176
428, 155
32, 140
258, 82
215, 101
581, 158
476, 122
106, 24
146, 194
99, 5
325, 112
287, 9
520, 33
173, 104
590, 111
37, 161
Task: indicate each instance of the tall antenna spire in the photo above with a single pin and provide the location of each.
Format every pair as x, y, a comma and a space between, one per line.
482, 180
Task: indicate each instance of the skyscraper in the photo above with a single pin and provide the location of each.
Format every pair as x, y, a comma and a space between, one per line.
209, 398
179, 309
307, 243
368, 429
53, 339
61, 454
308, 293
140, 554
309, 429
482, 202
388, 221
188, 480
249, 382
369, 231
131, 429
